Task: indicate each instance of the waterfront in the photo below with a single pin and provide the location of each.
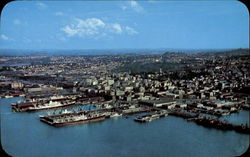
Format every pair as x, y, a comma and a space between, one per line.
23, 135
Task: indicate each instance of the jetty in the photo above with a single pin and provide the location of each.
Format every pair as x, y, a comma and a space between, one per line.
151, 116
223, 125
211, 122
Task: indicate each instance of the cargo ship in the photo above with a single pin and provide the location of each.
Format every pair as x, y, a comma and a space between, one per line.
72, 118
30, 106
11, 95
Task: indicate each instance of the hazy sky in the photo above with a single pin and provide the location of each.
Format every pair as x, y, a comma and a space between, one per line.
124, 24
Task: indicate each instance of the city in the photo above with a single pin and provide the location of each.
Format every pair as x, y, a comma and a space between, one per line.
125, 78
211, 84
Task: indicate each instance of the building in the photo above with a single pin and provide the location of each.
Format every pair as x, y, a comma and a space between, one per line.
158, 103
16, 85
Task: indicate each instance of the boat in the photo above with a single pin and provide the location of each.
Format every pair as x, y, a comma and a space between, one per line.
71, 119
115, 115
31, 107
50, 105
21, 106
143, 119
9, 96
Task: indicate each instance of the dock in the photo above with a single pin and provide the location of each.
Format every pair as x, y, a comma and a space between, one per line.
151, 116
66, 118
184, 115
215, 123
211, 122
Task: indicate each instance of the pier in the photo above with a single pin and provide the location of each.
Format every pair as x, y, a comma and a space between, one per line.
151, 116
65, 118
211, 122
215, 123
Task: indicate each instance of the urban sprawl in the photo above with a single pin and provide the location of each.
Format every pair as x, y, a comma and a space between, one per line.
199, 87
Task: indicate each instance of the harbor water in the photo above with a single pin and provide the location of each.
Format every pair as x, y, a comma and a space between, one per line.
23, 135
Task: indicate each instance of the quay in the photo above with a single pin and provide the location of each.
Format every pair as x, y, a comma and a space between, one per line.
245, 106
151, 116
12, 95
217, 113
72, 118
215, 123
66, 118
52, 103
184, 115
210, 122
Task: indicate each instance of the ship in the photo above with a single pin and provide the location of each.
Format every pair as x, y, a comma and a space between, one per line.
21, 106
115, 115
9, 96
31, 107
72, 118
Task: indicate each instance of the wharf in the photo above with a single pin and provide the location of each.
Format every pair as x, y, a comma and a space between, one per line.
184, 115
151, 116
135, 111
211, 112
245, 106
32, 107
71, 118
210, 122
77, 117
215, 123
47, 104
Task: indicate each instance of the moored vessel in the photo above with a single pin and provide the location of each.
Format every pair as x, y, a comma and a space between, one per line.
72, 118
30, 106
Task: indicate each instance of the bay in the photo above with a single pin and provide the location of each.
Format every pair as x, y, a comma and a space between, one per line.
23, 135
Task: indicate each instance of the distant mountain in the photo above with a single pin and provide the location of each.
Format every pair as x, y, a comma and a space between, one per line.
227, 52
15, 52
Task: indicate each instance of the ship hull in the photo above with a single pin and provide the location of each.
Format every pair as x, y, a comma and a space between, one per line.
49, 108
16, 109
44, 119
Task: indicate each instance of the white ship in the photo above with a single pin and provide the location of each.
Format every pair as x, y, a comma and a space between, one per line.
50, 105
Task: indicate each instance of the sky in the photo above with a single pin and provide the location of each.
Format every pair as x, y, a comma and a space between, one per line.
124, 24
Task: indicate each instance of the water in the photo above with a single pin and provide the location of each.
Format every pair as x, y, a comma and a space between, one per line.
23, 135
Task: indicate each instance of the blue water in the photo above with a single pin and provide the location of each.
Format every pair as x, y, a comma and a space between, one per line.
23, 135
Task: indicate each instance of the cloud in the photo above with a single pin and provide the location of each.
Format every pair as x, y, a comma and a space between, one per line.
4, 37
41, 5
88, 27
92, 23
59, 13
117, 28
94, 27
17, 22
136, 7
70, 31
130, 30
